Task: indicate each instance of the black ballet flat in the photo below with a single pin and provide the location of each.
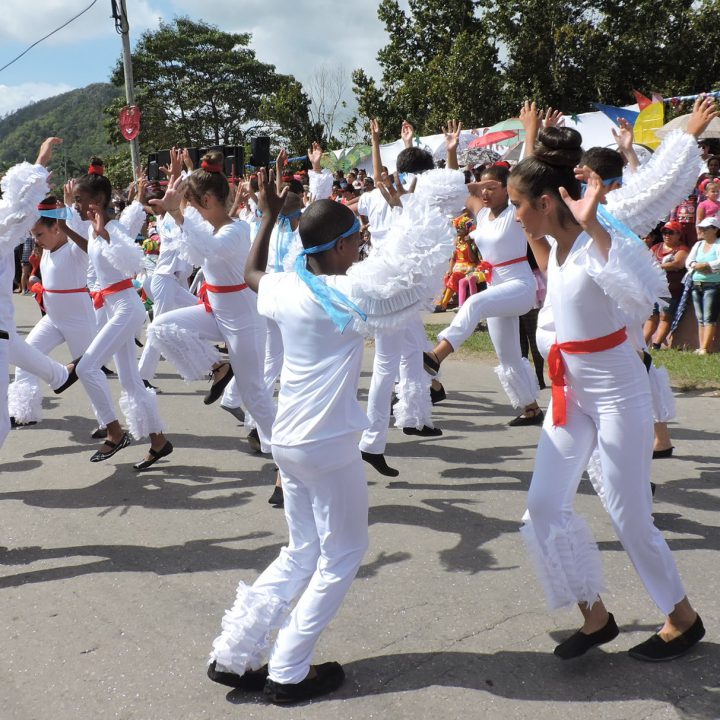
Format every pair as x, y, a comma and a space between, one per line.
377, 460
164, 451
150, 386
579, 643
250, 681
277, 499
328, 677
666, 453
655, 649
524, 420
237, 413
71, 379
15, 424
99, 456
99, 433
253, 439
424, 431
218, 387
431, 364
107, 371
437, 396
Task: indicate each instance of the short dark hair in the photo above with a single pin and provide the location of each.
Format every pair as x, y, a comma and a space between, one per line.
323, 221
607, 163
414, 160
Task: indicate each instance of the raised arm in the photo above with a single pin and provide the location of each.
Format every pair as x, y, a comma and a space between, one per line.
375, 142
321, 179
271, 203
530, 119
452, 140
625, 138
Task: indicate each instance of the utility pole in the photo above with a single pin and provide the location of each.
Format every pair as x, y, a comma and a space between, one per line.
119, 10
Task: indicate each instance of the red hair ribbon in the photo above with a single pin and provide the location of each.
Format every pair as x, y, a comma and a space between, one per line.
211, 167
96, 170
48, 206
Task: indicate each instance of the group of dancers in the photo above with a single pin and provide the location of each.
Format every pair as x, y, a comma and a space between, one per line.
287, 295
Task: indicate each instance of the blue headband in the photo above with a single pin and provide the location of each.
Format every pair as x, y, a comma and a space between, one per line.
328, 297
60, 213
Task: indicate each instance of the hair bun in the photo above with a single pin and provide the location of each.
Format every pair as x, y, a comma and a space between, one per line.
213, 161
559, 147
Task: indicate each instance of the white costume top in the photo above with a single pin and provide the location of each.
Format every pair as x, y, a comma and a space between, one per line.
117, 260
169, 261
321, 369
320, 184
222, 254
379, 214
64, 269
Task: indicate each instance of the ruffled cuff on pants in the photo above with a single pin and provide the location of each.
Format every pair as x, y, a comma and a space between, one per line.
414, 406
25, 402
520, 383
192, 356
141, 413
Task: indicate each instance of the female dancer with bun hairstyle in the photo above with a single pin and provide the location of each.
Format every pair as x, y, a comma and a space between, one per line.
116, 258
206, 235
598, 281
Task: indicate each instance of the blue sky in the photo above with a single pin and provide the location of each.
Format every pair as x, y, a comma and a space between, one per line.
297, 37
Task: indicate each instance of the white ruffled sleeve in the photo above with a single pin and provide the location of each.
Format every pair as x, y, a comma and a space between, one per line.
320, 184
630, 276
132, 218
401, 276
122, 252
198, 241
444, 189
651, 193
23, 188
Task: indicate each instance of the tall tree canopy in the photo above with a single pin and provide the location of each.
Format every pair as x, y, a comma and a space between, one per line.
477, 60
198, 85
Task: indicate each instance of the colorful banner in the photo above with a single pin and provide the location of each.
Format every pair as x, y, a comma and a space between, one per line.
649, 120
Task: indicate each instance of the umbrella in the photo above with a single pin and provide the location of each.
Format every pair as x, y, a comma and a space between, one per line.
512, 154
510, 124
492, 138
477, 156
711, 131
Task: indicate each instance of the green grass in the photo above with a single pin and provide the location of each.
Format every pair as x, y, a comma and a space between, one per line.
687, 371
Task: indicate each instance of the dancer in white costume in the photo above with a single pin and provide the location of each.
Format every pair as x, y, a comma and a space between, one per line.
601, 394
64, 295
169, 282
116, 258
315, 434
23, 188
209, 237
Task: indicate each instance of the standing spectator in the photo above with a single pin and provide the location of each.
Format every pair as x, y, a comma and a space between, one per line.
27, 250
704, 264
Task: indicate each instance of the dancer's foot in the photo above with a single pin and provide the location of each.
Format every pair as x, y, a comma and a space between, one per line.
431, 363
664, 453
153, 456
277, 499
659, 649
99, 433
424, 431
437, 395
110, 447
221, 376
250, 680
377, 460
531, 416
579, 643
71, 378
236, 412
321, 680
150, 386
253, 439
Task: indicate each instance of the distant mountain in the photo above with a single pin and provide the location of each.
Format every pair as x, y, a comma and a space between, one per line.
75, 116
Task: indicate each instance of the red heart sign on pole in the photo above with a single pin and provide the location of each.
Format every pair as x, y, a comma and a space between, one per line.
130, 122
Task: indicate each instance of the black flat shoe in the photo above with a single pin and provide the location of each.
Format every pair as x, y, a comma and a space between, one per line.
71, 379
15, 424
150, 386
522, 420
437, 396
164, 451
251, 680
99, 433
277, 499
666, 453
218, 387
425, 431
579, 643
329, 676
655, 649
138, 343
377, 460
99, 456
431, 364
108, 372
253, 439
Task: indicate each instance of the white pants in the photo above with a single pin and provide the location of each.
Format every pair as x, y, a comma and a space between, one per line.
4, 414
184, 338
167, 294
326, 506
29, 358
501, 305
74, 326
608, 404
125, 316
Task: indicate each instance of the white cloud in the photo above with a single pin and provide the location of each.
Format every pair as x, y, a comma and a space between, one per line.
23, 24
13, 97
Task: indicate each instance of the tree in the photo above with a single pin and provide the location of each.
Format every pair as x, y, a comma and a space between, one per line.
198, 85
287, 110
326, 89
439, 63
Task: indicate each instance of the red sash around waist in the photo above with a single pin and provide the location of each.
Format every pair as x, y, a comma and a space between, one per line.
556, 366
487, 267
98, 297
207, 287
38, 289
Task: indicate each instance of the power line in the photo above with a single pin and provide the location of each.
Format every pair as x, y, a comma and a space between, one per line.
65, 24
